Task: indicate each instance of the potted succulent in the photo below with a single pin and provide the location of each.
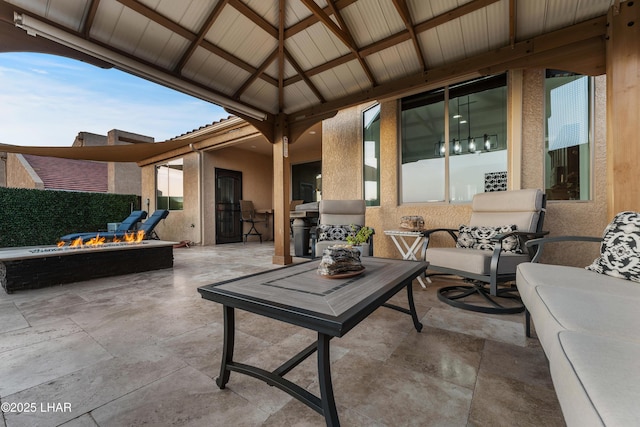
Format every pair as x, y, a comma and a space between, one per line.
361, 236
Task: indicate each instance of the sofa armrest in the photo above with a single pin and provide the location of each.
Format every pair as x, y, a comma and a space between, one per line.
538, 244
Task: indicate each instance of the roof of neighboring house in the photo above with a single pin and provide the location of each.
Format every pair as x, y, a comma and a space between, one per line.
72, 175
207, 126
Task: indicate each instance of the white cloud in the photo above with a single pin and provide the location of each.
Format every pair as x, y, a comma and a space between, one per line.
46, 101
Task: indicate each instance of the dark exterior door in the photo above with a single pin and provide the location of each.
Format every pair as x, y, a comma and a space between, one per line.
228, 195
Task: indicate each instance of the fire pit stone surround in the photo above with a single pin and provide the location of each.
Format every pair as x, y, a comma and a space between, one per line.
37, 267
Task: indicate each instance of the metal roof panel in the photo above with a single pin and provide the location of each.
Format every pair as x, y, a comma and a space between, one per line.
372, 20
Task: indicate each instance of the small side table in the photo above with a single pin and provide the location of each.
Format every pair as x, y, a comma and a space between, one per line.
407, 251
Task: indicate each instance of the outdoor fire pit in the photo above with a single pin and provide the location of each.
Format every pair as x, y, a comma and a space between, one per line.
37, 267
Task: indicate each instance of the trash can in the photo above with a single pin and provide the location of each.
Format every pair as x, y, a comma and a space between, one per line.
301, 237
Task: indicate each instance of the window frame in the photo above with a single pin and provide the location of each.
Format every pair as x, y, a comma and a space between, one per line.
446, 94
166, 164
591, 135
377, 149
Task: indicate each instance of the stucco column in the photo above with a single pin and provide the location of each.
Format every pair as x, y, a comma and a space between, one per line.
623, 108
281, 185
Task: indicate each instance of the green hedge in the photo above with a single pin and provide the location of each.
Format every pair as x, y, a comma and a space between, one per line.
39, 217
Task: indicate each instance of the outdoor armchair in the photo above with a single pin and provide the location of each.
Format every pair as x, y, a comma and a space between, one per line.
335, 224
487, 250
249, 215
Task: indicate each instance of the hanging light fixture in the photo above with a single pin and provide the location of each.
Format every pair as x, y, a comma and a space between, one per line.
472, 145
487, 142
457, 147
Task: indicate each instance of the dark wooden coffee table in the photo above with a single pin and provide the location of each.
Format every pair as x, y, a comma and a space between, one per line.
332, 307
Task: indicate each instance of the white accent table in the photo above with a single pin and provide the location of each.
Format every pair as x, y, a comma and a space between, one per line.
408, 251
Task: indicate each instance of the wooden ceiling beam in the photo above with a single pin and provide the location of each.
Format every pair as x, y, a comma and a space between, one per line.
321, 68
352, 45
403, 11
304, 76
512, 22
93, 8
341, 32
158, 18
532, 53
280, 56
456, 13
397, 38
178, 29
256, 75
254, 17
313, 19
208, 23
236, 61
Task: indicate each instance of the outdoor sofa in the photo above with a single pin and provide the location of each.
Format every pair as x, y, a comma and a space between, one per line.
587, 321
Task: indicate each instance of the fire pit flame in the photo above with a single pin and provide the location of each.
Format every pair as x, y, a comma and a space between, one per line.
98, 240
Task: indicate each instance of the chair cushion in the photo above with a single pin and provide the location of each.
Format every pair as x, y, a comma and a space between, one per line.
520, 207
342, 211
472, 260
330, 232
480, 238
620, 248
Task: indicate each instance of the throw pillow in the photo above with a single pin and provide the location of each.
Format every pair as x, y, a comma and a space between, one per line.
620, 248
480, 238
336, 232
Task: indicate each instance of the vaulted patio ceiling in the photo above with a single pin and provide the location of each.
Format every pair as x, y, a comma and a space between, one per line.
303, 60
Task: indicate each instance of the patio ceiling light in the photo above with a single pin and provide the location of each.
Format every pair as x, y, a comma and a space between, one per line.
35, 27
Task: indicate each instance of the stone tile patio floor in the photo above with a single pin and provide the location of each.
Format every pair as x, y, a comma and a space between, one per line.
144, 349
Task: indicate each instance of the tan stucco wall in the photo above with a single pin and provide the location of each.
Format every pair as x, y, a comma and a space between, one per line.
257, 179
3, 169
566, 217
342, 175
179, 225
257, 184
123, 178
20, 174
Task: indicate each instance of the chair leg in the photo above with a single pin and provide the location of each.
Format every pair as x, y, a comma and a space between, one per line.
256, 233
527, 323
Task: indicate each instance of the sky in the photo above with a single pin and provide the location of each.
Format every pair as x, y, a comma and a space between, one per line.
46, 100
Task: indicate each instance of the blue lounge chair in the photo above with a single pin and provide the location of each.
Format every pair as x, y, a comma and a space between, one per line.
127, 224
148, 226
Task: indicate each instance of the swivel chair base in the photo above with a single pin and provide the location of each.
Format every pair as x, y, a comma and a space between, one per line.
506, 302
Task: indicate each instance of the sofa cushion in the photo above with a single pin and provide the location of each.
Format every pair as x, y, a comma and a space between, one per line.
595, 379
329, 232
620, 248
530, 275
479, 237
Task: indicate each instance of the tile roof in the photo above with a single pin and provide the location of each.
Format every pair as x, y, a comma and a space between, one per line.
71, 175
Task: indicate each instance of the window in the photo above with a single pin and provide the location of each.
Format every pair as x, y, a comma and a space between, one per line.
306, 182
567, 136
169, 185
371, 158
452, 157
